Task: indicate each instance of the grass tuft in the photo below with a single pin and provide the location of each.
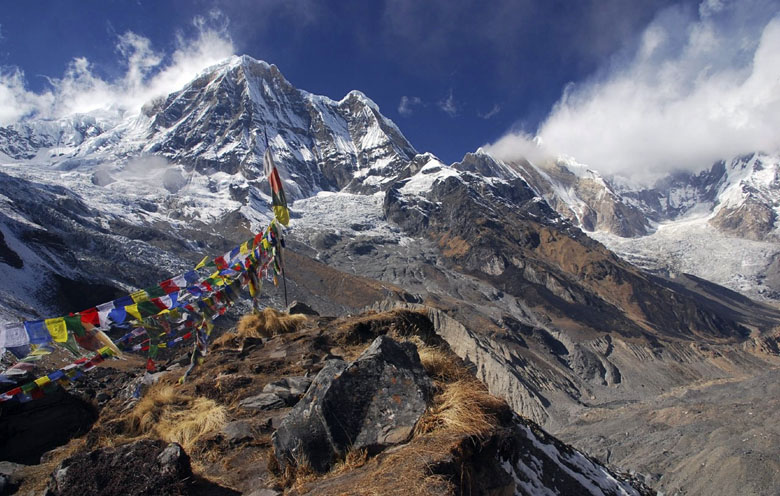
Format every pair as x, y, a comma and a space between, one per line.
439, 363
463, 407
167, 414
268, 323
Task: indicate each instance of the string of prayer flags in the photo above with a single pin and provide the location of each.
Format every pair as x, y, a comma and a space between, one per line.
38, 387
185, 303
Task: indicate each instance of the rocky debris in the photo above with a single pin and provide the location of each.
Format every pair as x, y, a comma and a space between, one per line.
371, 403
238, 431
289, 389
297, 307
263, 401
146, 467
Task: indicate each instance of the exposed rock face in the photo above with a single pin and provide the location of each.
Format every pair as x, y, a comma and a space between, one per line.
752, 219
584, 197
219, 121
371, 403
143, 467
538, 463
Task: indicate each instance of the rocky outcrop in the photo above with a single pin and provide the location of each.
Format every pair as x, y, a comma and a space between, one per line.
751, 219
371, 403
144, 467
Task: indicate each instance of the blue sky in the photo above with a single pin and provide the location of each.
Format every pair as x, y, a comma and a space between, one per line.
453, 74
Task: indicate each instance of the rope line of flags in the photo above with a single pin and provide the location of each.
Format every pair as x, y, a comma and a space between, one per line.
158, 317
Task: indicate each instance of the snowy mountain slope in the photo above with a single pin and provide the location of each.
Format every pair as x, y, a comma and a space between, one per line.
584, 197
720, 224
185, 175
727, 214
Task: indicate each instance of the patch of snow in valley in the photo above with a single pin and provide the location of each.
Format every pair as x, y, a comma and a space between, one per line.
342, 213
692, 245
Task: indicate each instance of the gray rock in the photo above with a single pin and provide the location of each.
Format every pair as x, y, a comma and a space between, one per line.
371, 403
10, 478
263, 401
238, 431
290, 389
173, 460
301, 308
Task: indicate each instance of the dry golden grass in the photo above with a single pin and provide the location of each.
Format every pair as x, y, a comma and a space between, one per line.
439, 364
463, 407
268, 323
295, 475
226, 339
354, 459
167, 414
265, 324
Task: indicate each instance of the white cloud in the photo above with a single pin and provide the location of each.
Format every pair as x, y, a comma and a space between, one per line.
407, 104
697, 89
520, 145
148, 74
493, 111
448, 105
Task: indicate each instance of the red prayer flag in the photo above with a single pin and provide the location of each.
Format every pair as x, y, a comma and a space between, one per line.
90, 316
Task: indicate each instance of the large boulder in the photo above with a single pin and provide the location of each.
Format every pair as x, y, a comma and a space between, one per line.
371, 403
146, 467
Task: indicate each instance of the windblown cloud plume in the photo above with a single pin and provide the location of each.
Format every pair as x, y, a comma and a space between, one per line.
700, 87
407, 104
147, 74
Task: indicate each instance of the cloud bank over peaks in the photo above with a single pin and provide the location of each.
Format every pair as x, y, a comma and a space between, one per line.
701, 86
147, 74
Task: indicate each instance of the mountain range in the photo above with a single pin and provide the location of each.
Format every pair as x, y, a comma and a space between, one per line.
581, 300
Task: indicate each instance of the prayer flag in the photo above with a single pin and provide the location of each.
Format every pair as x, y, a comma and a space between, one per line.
139, 296
57, 329
73, 324
37, 332
13, 335
278, 200
133, 311
90, 316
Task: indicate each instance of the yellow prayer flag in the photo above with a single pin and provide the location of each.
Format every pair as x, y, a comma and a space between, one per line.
42, 381
245, 248
57, 329
202, 263
133, 310
139, 296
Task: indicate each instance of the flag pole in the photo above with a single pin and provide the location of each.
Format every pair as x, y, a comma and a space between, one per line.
281, 260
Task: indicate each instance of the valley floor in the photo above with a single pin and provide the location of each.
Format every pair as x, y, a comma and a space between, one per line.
714, 437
